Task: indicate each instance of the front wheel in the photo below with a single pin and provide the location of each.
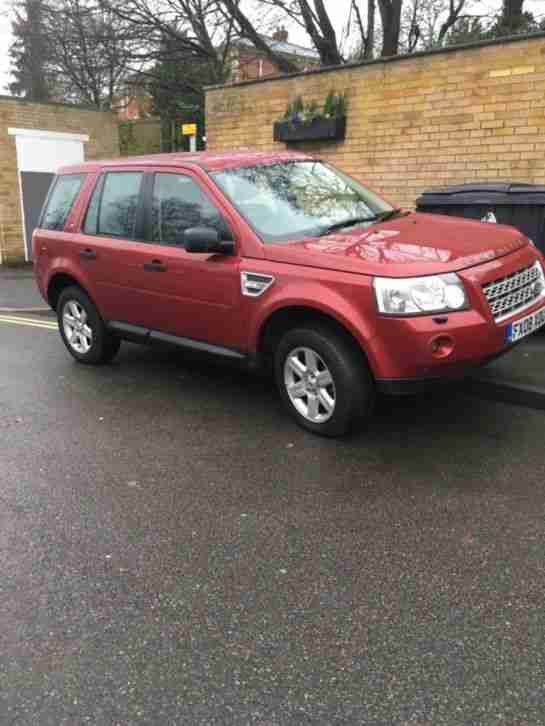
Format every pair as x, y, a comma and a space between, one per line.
323, 380
83, 330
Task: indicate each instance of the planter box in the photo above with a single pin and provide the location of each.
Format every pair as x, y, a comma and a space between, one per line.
320, 129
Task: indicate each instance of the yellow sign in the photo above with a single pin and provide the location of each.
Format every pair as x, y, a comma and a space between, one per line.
189, 129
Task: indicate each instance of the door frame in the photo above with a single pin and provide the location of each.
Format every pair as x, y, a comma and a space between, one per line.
20, 133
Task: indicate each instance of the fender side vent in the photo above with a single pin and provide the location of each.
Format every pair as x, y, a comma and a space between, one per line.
254, 284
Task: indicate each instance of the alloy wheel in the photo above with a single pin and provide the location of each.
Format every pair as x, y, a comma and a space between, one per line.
309, 385
76, 329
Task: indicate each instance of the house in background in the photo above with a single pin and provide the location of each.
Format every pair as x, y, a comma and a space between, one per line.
135, 103
246, 63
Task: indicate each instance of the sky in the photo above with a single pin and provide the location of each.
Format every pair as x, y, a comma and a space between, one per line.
337, 8
5, 36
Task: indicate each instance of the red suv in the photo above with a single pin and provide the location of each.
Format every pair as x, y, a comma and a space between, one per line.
281, 260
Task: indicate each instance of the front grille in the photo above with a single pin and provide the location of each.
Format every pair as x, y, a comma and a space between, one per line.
508, 295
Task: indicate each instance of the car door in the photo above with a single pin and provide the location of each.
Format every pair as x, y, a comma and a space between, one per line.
113, 250
199, 295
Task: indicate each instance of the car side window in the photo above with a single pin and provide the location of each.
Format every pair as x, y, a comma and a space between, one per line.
178, 204
90, 224
114, 204
63, 194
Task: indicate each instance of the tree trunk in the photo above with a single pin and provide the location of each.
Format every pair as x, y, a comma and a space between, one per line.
327, 47
370, 44
451, 20
512, 14
321, 32
390, 13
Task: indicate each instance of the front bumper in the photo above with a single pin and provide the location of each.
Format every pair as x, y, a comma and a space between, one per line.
414, 386
402, 353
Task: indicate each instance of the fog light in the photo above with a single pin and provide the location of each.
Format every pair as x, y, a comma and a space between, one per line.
442, 346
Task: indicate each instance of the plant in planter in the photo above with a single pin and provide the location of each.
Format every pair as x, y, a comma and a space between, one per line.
309, 122
335, 105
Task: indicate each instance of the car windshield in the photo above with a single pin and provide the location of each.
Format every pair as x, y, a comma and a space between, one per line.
294, 199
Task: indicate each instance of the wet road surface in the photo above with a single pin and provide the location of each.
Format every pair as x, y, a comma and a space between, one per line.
174, 550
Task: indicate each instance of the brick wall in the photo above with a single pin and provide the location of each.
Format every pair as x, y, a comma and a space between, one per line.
103, 143
473, 114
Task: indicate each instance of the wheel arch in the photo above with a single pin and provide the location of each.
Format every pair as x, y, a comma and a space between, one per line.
291, 316
58, 282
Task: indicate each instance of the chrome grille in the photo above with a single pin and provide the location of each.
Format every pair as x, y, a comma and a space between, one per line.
512, 293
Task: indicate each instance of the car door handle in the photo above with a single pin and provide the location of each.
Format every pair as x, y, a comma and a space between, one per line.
154, 266
88, 254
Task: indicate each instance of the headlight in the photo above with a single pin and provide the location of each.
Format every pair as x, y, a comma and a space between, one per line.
417, 295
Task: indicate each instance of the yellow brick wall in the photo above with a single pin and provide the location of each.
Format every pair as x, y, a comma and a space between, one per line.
474, 114
102, 128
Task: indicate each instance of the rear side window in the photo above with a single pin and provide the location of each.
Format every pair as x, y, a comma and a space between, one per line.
114, 204
60, 200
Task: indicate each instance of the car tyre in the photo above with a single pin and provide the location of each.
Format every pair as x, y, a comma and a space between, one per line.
82, 329
324, 380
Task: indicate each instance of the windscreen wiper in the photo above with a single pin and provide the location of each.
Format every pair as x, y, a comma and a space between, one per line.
350, 222
383, 216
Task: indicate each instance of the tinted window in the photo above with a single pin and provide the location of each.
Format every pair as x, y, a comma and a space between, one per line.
179, 204
113, 206
60, 201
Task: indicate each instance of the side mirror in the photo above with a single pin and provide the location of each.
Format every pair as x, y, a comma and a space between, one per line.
205, 239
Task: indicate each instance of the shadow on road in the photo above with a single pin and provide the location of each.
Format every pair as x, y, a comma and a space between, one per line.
444, 434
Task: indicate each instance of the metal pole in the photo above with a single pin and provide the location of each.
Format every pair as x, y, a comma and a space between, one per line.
192, 143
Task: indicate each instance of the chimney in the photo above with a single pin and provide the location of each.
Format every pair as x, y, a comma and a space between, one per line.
281, 34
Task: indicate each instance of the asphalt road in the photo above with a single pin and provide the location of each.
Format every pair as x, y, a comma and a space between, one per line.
18, 289
173, 550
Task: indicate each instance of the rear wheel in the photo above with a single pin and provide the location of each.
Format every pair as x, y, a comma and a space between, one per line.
82, 329
323, 380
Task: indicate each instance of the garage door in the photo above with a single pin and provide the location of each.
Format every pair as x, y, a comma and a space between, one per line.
39, 155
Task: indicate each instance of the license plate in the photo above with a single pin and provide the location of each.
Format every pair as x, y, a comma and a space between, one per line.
520, 328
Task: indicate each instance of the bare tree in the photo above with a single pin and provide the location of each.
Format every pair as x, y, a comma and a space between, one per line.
410, 26
310, 15
366, 41
320, 29
454, 14
426, 24
202, 29
88, 51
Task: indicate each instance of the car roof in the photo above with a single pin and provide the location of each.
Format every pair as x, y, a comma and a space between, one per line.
208, 160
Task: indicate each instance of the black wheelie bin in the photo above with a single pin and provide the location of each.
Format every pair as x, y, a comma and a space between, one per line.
521, 205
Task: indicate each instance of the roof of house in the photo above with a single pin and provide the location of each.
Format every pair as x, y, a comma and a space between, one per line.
283, 47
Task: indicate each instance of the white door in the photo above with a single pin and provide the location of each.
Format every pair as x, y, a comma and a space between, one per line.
39, 154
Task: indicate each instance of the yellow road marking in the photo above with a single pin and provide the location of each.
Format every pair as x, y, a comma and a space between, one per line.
45, 321
29, 322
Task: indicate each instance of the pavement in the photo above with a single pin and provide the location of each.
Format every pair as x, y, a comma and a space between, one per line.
18, 290
518, 377
174, 550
